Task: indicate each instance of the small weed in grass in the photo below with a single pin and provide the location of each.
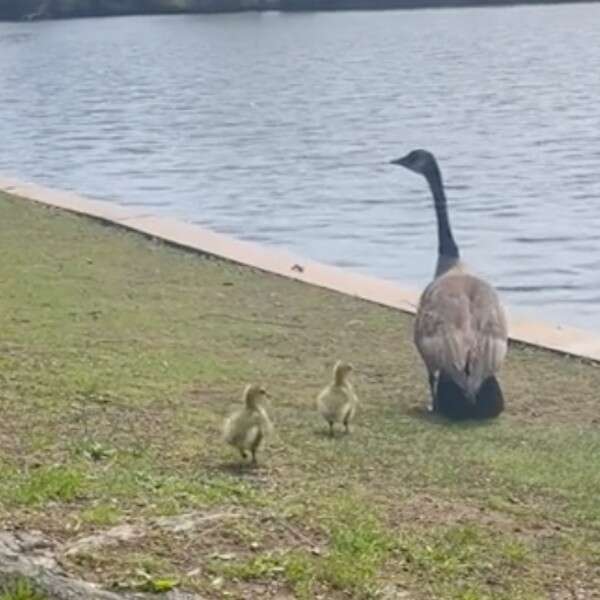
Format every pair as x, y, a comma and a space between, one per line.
47, 484
301, 573
359, 546
19, 589
101, 515
514, 552
358, 549
448, 555
158, 585
463, 562
174, 493
264, 566
299, 569
95, 451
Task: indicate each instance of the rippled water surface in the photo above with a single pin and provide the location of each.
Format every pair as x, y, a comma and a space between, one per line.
278, 127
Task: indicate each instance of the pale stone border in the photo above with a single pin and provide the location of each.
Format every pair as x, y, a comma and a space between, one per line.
566, 340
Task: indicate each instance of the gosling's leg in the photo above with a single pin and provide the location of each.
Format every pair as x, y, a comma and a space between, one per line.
347, 418
254, 448
331, 432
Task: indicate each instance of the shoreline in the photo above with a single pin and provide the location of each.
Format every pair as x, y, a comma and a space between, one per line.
47, 12
555, 337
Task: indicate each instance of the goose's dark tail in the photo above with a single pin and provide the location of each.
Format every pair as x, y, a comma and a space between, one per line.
452, 403
450, 400
490, 401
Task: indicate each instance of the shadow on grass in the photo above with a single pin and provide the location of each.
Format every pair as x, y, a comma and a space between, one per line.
325, 435
236, 467
423, 414
255, 473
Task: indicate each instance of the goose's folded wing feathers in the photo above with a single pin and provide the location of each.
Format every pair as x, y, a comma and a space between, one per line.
461, 326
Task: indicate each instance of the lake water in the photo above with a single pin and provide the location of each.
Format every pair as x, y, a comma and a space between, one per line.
278, 128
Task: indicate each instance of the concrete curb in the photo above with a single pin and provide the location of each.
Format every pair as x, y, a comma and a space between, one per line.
566, 340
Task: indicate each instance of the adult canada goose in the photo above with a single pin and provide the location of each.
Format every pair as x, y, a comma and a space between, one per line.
460, 328
337, 402
246, 428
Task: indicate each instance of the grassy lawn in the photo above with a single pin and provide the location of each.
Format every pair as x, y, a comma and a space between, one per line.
120, 357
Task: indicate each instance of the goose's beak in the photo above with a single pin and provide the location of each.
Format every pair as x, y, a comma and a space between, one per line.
399, 161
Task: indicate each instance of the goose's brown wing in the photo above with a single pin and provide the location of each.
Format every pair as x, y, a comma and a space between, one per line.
461, 329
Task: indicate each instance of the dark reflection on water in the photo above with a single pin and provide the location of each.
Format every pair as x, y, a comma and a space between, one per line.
279, 128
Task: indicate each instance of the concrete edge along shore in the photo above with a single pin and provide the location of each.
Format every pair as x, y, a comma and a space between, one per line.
566, 340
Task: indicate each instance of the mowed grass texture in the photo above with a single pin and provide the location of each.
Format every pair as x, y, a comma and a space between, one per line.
120, 357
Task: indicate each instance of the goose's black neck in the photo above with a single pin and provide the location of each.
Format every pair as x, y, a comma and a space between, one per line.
446, 244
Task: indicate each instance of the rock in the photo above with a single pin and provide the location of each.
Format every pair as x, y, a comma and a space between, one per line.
392, 592
189, 522
185, 523
224, 555
111, 537
217, 583
39, 550
32, 556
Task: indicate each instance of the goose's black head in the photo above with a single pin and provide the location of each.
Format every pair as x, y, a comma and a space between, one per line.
419, 161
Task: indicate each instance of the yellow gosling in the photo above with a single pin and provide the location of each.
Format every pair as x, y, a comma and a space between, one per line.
337, 402
246, 428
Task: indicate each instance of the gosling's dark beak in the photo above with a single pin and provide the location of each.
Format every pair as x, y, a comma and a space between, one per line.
399, 161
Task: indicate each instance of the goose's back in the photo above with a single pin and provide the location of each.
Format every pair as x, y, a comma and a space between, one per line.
461, 328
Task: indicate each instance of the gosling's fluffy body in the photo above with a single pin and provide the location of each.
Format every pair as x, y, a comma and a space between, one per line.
247, 428
337, 402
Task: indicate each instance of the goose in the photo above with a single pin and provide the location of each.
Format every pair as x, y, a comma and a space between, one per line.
460, 330
337, 401
246, 428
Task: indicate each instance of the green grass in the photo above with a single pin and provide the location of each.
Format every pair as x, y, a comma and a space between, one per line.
461, 561
43, 485
19, 589
358, 548
102, 515
120, 357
